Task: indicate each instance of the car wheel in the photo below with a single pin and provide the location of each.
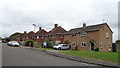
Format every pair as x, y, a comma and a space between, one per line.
59, 48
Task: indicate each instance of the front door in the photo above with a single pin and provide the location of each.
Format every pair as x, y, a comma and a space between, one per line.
92, 46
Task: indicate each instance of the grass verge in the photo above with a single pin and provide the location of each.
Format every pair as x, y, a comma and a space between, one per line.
100, 56
43, 48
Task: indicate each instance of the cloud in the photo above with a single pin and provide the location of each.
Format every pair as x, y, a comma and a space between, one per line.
19, 15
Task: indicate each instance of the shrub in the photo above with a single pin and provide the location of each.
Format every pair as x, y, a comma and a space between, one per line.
118, 41
49, 44
96, 49
29, 43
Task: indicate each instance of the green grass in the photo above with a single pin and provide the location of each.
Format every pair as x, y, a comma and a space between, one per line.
101, 56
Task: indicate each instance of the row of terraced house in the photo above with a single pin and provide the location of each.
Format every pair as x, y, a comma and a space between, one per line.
85, 38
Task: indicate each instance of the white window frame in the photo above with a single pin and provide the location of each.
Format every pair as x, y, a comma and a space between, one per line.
42, 37
107, 35
73, 43
110, 45
101, 45
83, 44
73, 35
83, 34
26, 37
61, 36
37, 37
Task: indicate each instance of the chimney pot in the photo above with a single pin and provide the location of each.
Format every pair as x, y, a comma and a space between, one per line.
25, 32
56, 25
40, 28
84, 25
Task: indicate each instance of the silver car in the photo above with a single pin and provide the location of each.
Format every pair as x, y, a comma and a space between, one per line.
61, 46
13, 43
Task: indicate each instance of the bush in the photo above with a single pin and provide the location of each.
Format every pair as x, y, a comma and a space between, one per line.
118, 41
96, 49
49, 44
29, 43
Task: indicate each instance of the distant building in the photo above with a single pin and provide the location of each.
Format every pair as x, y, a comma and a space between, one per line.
56, 34
30, 36
40, 35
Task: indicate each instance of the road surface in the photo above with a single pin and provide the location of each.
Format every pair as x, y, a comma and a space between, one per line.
18, 56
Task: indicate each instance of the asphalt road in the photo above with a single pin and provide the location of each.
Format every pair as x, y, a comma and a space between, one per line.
18, 56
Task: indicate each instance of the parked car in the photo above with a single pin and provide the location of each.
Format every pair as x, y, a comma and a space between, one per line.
0, 41
61, 47
13, 43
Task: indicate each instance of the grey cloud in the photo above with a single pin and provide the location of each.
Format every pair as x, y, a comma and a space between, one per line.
20, 15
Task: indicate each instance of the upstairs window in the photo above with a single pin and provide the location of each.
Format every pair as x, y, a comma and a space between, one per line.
37, 37
73, 35
107, 35
83, 33
83, 44
61, 36
26, 37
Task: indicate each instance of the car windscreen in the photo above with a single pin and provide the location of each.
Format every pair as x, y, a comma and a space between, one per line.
14, 42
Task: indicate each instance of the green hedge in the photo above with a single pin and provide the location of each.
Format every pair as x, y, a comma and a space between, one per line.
29, 43
96, 49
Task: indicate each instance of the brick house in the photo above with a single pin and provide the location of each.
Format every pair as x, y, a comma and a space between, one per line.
23, 36
88, 38
40, 35
15, 38
56, 34
30, 36
19, 37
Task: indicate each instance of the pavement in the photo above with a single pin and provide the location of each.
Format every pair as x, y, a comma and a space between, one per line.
88, 61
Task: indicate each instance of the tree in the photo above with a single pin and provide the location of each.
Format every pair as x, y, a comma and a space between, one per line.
117, 41
0, 37
14, 34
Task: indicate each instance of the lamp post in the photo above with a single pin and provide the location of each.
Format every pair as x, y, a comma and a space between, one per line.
34, 31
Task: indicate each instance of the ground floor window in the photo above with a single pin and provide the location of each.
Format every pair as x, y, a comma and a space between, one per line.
101, 45
110, 44
83, 44
73, 44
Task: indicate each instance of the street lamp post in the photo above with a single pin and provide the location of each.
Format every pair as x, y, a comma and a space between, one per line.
34, 31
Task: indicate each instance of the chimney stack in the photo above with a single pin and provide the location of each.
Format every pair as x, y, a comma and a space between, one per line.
84, 25
40, 28
25, 32
56, 25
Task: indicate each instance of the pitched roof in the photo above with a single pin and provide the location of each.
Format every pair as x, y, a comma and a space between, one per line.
41, 32
31, 33
56, 30
86, 29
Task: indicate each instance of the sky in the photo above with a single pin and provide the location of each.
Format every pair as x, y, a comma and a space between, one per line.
19, 15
